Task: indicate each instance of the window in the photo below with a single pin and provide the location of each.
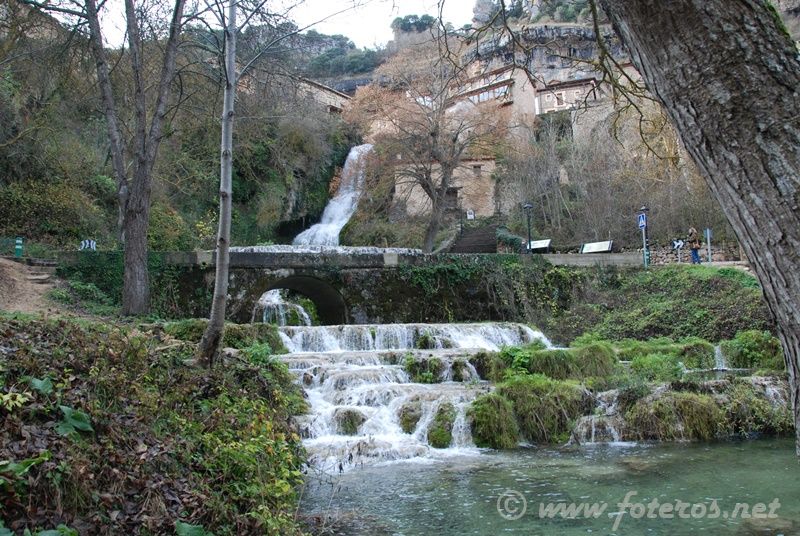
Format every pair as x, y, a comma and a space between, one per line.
548, 97
476, 170
560, 99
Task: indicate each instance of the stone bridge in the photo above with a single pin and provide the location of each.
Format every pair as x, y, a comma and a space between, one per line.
369, 286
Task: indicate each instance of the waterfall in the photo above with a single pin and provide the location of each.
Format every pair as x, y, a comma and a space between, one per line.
365, 407
719, 359
273, 308
360, 338
339, 209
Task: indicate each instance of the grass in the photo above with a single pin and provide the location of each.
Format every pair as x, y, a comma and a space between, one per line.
493, 423
544, 408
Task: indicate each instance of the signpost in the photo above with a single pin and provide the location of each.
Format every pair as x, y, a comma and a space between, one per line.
642, 218
18, 247
708, 243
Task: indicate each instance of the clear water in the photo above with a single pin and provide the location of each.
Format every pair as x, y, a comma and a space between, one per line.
459, 495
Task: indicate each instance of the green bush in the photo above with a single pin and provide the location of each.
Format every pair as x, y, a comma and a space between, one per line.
750, 412
493, 423
754, 349
595, 360
592, 360
657, 367
696, 353
544, 408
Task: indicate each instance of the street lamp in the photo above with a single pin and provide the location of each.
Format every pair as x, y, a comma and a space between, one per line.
528, 208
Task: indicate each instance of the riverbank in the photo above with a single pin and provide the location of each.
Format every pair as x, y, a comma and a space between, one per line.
108, 429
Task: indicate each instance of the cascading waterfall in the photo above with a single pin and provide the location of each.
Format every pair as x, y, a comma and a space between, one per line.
359, 391
341, 208
273, 308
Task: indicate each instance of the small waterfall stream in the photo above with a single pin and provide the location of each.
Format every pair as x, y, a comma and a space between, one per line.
274, 308
339, 209
360, 393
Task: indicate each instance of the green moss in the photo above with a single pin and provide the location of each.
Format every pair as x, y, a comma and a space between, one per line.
591, 360
440, 432
409, 416
675, 415
348, 420
489, 366
423, 369
544, 408
754, 349
696, 353
493, 423
236, 335
748, 411
459, 368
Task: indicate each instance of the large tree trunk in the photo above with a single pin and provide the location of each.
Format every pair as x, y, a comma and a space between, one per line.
728, 76
210, 343
136, 281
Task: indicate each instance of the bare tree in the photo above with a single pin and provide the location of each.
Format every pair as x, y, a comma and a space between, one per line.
422, 115
132, 161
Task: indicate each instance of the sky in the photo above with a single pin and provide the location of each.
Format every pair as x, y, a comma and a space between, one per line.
367, 25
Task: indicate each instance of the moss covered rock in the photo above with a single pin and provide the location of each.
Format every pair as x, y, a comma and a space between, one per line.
348, 420
424, 369
675, 415
489, 366
493, 423
409, 416
544, 408
440, 432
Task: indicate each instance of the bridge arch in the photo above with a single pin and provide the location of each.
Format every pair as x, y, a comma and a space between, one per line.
331, 307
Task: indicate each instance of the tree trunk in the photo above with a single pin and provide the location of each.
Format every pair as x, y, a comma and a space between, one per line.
433, 224
210, 343
727, 74
136, 281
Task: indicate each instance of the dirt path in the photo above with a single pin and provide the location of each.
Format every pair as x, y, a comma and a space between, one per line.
18, 292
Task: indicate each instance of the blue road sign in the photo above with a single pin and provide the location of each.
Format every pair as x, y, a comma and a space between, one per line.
642, 220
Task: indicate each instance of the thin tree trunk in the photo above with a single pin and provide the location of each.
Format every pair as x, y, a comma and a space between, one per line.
727, 74
210, 343
117, 146
433, 224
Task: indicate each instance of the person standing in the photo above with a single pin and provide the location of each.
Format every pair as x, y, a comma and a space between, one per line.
694, 244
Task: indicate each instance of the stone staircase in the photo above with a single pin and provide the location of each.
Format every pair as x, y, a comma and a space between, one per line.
39, 271
478, 240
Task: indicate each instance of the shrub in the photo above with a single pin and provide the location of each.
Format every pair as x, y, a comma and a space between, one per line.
493, 423
696, 353
754, 349
236, 335
750, 412
544, 408
657, 367
596, 359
